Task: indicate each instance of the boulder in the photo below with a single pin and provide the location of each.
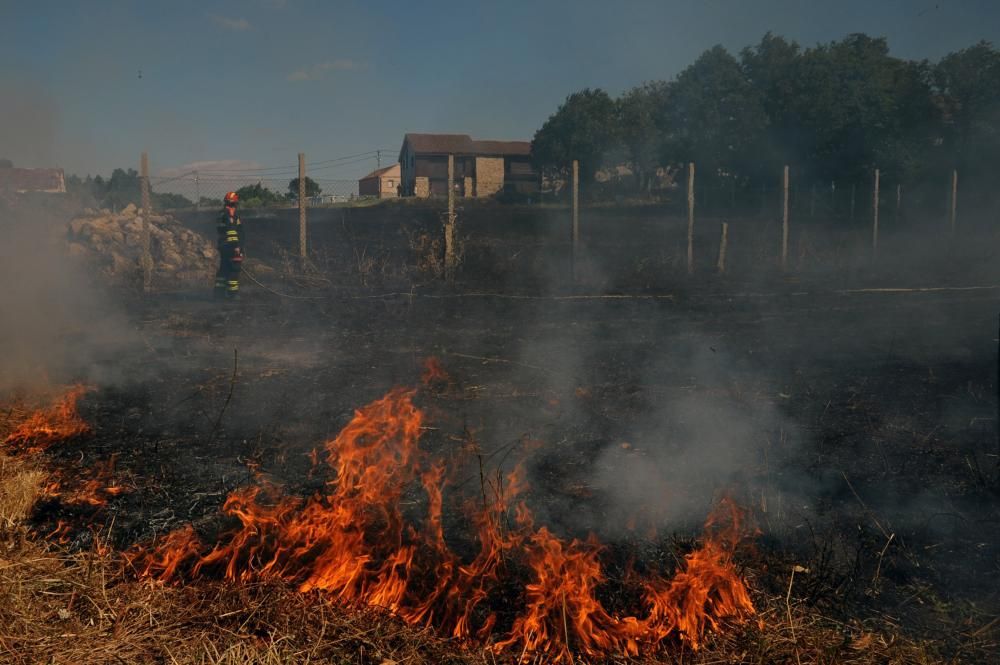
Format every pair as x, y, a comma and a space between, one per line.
113, 244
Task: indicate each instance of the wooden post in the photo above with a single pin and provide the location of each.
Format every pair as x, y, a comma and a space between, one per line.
875, 217
954, 200
784, 221
899, 203
723, 243
302, 205
690, 248
449, 225
197, 191
147, 257
576, 219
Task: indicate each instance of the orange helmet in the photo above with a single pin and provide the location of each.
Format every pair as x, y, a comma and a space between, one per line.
231, 198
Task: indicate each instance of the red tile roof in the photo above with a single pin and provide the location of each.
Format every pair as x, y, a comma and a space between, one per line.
463, 144
384, 171
522, 148
32, 180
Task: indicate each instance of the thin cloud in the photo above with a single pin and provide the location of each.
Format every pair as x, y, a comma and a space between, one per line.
317, 72
234, 24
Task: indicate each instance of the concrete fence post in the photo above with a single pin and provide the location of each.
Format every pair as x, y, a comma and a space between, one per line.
954, 201
574, 256
784, 219
449, 225
875, 216
302, 205
147, 257
723, 245
690, 234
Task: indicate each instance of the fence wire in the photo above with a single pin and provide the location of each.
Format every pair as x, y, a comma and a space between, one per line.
196, 190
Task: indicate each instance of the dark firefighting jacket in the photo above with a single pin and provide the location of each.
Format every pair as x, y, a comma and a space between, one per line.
229, 230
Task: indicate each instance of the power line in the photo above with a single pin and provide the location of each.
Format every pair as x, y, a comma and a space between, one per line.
283, 171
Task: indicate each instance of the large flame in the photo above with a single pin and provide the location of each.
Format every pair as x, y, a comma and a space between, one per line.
44, 427
356, 543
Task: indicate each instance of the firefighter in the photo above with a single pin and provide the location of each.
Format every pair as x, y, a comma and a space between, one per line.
230, 241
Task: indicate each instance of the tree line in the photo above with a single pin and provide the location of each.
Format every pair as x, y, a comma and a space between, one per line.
832, 112
125, 186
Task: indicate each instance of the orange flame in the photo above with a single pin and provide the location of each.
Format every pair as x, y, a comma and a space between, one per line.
48, 426
354, 543
97, 490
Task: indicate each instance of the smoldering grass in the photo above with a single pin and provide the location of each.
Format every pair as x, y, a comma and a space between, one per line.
87, 606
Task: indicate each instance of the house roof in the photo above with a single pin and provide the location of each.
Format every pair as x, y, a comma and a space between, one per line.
463, 144
391, 170
32, 180
522, 148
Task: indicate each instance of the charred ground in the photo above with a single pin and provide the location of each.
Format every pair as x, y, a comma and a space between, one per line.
858, 426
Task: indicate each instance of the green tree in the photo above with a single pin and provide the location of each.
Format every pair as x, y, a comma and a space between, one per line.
121, 189
312, 188
771, 69
583, 128
715, 116
169, 200
641, 122
257, 196
967, 85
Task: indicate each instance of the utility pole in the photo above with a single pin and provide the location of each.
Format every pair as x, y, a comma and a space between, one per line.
378, 159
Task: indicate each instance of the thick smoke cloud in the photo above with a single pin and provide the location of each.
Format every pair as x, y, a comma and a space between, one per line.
55, 327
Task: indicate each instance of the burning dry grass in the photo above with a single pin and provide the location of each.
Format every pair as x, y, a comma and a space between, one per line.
62, 607
82, 607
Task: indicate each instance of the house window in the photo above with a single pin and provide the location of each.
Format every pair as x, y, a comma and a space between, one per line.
391, 183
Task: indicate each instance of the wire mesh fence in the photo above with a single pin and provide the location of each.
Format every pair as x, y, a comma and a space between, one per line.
196, 190
266, 186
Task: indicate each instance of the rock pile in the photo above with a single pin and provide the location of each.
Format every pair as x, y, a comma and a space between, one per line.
113, 243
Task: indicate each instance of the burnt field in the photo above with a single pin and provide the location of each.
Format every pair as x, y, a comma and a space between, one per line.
849, 407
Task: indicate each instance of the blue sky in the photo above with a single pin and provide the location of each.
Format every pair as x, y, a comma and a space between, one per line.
253, 82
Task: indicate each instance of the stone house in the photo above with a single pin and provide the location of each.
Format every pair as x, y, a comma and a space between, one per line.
381, 183
482, 168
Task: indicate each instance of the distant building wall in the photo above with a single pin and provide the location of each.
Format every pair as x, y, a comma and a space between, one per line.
388, 187
421, 187
489, 176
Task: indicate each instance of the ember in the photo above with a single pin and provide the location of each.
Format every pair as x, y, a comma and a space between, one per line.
434, 374
354, 543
